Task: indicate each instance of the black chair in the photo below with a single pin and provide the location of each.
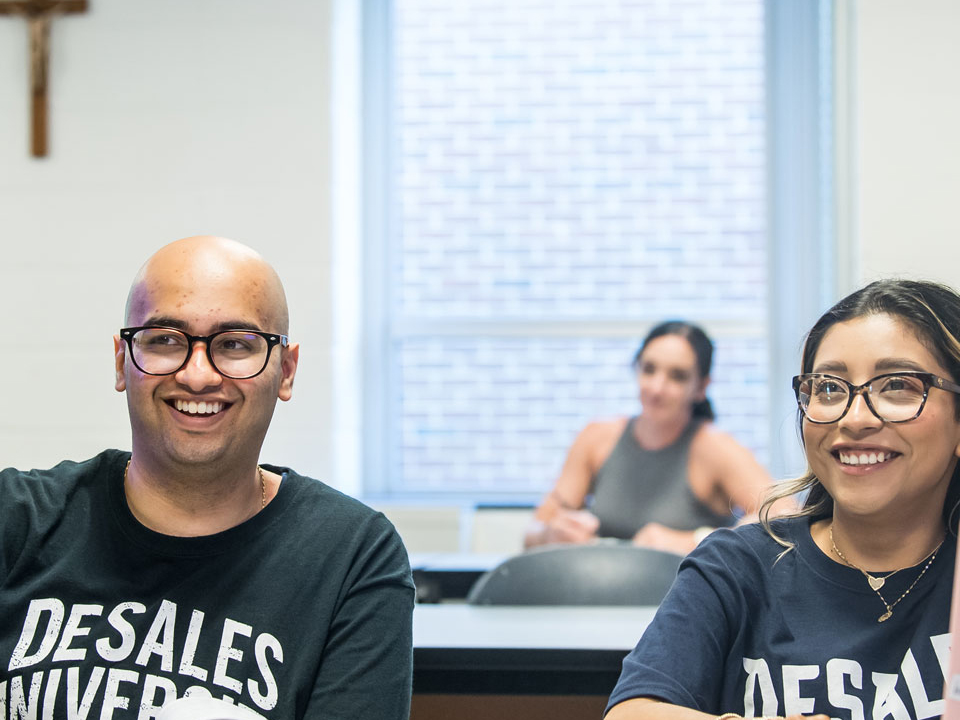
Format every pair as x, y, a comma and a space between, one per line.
596, 574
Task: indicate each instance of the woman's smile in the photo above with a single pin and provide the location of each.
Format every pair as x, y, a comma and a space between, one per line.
909, 464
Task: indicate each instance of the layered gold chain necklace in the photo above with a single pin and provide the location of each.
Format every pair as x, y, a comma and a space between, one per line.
876, 582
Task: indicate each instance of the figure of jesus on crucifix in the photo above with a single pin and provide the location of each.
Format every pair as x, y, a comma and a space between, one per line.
39, 14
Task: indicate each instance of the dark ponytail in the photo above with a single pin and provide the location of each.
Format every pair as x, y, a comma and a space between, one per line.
703, 409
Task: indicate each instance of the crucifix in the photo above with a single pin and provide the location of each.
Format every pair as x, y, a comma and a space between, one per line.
39, 14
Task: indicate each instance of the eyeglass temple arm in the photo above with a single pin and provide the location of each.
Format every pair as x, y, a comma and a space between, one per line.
945, 384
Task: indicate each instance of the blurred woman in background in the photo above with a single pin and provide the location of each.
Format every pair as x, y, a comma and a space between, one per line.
665, 478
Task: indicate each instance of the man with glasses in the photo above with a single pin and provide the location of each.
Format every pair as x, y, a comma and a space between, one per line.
187, 567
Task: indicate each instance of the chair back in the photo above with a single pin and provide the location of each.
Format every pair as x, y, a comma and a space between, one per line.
595, 574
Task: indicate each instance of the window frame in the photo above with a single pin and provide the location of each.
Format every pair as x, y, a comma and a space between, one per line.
807, 46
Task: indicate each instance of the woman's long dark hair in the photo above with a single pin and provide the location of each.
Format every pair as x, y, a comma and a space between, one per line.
932, 311
702, 349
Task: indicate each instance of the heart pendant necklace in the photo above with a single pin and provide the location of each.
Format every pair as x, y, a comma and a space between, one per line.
877, 581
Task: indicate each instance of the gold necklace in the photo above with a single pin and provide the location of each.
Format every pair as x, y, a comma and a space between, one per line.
263, 484
263, 489
876, 582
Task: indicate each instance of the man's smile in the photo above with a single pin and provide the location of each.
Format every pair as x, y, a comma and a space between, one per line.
198, 407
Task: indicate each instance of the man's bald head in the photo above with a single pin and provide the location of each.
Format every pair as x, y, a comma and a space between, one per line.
205, 261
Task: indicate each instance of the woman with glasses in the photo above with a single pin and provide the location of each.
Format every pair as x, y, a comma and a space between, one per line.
842, 609
665, 478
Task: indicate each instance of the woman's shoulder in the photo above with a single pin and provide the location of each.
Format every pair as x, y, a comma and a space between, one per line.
738, 563
607, 426
709, 437
603, 431
755, 539
597, 440
719, 451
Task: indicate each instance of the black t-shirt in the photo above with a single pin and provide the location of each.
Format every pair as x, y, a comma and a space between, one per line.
302, 611
744, 632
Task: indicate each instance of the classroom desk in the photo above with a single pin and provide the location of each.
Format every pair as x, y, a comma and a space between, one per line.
532, 662
449, 576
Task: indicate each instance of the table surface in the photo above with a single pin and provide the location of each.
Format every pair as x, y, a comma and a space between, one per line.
500, 650
555, 627
440, 562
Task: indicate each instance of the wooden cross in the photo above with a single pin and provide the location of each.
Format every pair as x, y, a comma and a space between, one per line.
39, 14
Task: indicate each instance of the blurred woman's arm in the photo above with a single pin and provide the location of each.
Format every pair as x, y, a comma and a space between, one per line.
560, 518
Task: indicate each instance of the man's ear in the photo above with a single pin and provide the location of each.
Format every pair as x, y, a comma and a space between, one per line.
119, 355
288, 366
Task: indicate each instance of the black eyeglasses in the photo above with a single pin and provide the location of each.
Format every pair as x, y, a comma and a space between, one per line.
235, 354
891, 397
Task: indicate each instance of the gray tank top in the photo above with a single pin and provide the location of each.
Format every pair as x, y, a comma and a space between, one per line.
636, 486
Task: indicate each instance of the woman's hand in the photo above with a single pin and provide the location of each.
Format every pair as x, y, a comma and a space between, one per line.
571, 526
660, 537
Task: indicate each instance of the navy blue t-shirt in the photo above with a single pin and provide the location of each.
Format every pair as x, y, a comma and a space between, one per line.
743, 632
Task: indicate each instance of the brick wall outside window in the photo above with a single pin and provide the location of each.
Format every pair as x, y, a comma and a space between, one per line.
567, 164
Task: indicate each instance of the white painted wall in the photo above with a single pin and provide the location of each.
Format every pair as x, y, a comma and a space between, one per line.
167, 119
907, 129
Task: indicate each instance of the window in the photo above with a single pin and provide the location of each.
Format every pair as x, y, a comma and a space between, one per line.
544, 182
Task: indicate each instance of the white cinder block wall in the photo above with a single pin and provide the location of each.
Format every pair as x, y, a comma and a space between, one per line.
166, 119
